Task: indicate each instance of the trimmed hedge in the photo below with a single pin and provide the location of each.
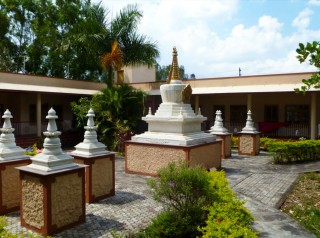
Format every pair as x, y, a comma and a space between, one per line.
293, 152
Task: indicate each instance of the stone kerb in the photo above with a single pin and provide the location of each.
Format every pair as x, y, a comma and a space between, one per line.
11, 156
100, 173
222, 133
249, 138
52, 188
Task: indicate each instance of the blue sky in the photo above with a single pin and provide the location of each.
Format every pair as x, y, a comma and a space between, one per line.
216, 37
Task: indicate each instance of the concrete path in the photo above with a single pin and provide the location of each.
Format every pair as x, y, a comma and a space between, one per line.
256, 179
265, 186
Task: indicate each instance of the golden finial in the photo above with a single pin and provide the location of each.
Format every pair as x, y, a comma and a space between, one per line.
174, 69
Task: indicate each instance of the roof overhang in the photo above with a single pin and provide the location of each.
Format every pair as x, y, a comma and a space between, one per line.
46, 89
271, 88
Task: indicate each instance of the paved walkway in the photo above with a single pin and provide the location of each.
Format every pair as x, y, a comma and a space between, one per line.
255, 179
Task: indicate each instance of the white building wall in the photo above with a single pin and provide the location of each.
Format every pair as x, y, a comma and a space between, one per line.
139, 74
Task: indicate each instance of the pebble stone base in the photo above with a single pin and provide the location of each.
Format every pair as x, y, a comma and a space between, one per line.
100, 181
52, 201
9, 185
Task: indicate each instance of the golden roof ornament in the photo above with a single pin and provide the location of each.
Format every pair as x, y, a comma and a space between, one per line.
174, 69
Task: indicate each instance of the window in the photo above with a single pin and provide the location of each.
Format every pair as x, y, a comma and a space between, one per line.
297, 113
271, 113
221, 108
238, 113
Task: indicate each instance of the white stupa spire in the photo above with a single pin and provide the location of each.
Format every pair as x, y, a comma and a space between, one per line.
8, 148
52, 157
218, 127
90, 145
249, 128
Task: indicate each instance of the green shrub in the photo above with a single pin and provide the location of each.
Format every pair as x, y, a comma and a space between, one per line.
183, 191
289, 152
227, 216
265, 142
234, 141
197, 203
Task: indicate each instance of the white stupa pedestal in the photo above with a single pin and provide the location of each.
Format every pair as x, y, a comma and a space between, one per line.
174, 133
11, 156
52, 188
148, 158
248, 143
249, 139
100, 170
223, 134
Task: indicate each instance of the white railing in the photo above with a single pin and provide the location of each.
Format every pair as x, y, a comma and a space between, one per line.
287, 130
30, 128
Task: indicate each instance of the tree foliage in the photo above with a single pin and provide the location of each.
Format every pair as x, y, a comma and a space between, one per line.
162, 72
118, 110
310, 52
67, 38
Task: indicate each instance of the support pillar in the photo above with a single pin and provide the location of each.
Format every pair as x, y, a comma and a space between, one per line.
38, 114
196, 104
313, 121
249, 102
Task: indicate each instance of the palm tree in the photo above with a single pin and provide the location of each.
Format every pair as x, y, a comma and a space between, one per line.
112, 61
127, 46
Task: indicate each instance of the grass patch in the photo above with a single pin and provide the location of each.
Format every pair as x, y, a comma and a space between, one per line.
303, 204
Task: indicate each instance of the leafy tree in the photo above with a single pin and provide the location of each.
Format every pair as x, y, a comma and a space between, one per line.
118, 110
68, 38
310, 52
127, 47
162, 73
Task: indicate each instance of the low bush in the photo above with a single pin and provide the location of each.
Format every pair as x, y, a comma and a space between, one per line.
197, 203
265, 142
227, 216
292, 152
183, 191
234, 141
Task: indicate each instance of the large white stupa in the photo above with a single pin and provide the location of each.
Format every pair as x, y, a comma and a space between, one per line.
175, 122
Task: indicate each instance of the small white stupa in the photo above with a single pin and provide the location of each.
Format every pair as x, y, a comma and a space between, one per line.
249, 127
174, 123
90, 145
8, 148
218, 127
52, 157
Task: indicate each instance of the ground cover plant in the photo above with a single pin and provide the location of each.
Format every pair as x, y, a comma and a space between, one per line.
303, 203
196, 203
5, 233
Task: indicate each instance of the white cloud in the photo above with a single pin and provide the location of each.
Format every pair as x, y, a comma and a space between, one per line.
194, 28
314, 2
302, 21
269, 23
